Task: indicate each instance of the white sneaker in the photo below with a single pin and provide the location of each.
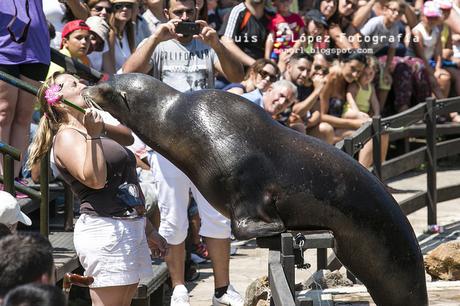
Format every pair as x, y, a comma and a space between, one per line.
180, 296
230, 298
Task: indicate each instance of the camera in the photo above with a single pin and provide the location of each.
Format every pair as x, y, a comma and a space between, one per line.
187, 28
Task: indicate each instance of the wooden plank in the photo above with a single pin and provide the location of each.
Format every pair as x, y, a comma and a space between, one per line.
448, 148
403, 163
449, 105
448, 193
405, 118
413, 203
279, 286
440, 293
65, 257
148, 286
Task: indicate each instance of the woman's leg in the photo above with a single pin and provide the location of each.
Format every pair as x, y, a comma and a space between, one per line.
366, 157
444, 79
8, 101
20, 126
113, 296
402, 86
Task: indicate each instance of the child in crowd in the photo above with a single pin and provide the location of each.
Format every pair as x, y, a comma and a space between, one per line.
99, 37
316, 33
427, 46
75, 44
362, 103
285, 28
361, 98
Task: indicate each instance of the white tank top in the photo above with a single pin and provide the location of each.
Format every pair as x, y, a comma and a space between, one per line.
122, 51
429, 41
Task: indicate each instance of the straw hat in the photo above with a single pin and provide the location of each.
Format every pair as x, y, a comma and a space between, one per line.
99, 26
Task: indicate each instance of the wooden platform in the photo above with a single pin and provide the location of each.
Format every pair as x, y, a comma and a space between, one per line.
65, 257
440, 293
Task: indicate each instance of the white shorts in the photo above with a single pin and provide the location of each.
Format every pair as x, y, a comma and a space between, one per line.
113, 251
173, 199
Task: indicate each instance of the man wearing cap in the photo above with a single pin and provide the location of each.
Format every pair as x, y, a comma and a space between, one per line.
10, 212
75, 43
188, 62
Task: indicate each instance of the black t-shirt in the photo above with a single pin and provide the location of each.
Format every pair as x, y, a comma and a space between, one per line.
249, 35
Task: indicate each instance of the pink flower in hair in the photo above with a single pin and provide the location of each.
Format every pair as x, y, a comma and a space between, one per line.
52, 95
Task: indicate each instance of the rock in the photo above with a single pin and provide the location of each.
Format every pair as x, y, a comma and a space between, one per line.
444, 261
258, 292
324, 279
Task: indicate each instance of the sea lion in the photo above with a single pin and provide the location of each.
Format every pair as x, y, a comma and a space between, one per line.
268, 178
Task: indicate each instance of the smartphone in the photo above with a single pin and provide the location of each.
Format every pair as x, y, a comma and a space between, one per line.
187, 28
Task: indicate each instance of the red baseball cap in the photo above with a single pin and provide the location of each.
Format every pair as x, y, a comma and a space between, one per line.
72, 26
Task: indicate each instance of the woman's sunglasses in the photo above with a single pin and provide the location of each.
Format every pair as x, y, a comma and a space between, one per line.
264, 74
122, 5
100, 8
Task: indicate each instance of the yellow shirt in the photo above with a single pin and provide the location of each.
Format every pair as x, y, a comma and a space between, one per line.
55, 67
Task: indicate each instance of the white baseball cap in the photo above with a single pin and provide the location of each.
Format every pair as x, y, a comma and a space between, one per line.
10, 212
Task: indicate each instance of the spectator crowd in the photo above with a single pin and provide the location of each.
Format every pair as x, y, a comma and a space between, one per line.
320, 67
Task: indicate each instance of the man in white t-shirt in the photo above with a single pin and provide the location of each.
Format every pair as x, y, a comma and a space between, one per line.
188, 63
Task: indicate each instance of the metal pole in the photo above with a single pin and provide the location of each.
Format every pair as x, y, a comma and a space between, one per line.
377, 146
8, 169
288, 260
68, 210
431, 160
44, 190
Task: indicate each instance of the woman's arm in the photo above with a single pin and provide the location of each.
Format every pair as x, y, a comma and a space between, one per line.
269, 44
236, 90
362, 14
82, 157
352, 90
339, 37
108, 58
237, 52
374, 102
120, 133
79, 9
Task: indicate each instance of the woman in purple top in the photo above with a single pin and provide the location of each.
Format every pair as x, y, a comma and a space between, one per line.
25, 54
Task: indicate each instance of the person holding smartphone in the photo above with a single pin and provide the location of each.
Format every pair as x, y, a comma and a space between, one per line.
184, 53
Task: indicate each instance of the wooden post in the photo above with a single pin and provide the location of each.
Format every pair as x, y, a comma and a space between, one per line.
377, 146
431, 161
68, 208
44, 200
348, 146
287, 260
321, 259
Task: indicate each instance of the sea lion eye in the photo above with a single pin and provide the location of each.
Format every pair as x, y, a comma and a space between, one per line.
124, 96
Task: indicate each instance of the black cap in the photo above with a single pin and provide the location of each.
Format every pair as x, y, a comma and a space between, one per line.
317, 16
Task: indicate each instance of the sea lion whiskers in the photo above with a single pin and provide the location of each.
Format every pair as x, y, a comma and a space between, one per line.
90, 102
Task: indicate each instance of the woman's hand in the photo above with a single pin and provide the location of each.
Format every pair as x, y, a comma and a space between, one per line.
157, 244
93, 123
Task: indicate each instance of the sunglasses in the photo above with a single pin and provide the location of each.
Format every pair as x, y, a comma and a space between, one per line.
264, 74
100, 8
122, 5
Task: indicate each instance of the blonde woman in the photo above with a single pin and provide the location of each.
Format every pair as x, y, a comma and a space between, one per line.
112, 236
